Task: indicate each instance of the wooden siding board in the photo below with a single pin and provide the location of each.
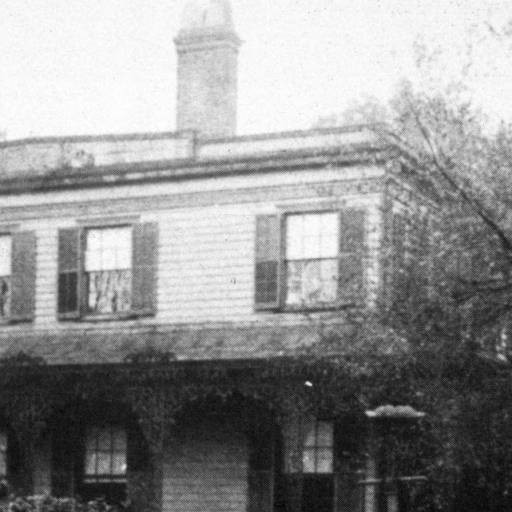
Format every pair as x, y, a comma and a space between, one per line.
206, 247
205, 468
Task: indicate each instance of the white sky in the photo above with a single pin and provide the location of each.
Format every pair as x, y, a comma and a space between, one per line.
108, 66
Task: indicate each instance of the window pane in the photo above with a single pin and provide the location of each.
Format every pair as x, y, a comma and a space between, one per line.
308, 460
309, 434
108, 249
119, 464
310, 282
312, 236
119, 437
324, 433
92, 437
5, 296
5, 255
328, 280
90, 464
104, 460
324, 460
105, 440
294, 236
109, 291
294, 283
3, 454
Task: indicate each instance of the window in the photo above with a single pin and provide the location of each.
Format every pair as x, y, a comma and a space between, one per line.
312, 258
108, 270
5, 275
105, 455
313, 470
317, 450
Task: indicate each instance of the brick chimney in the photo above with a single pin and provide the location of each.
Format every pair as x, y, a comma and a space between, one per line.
207, 47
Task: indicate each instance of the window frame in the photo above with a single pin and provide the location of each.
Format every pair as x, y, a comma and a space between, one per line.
316, 448
83, 295
293, 468
72, 297
111, 477
5, 319
283, 262
352, 256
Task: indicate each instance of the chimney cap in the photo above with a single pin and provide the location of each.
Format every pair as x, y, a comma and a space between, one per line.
201, 15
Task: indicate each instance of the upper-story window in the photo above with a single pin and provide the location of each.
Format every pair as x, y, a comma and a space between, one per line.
5, 275
108, 270
310, 260
17, 276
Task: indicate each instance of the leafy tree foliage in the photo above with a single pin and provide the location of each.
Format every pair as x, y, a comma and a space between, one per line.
457, 323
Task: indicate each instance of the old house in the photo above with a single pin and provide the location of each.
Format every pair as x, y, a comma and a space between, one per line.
160, 294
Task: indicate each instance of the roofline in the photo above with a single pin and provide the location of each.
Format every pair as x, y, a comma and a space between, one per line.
295, 133
187, 169
192, 134
100, 137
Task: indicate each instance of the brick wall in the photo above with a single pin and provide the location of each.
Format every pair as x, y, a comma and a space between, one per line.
205, 469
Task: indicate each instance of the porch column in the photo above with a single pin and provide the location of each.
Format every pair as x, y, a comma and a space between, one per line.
155, 413
290, 419
372, 483
27, 413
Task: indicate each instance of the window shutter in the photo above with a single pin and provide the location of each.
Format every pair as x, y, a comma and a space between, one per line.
267, 258
351, 257
348, 450
23, 275
69, 273
400, 270
145, 260
261, 469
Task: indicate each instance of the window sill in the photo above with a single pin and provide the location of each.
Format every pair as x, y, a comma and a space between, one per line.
114, 317
13, 321
313, 308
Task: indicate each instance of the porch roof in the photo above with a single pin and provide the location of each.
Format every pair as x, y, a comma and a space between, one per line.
183, 343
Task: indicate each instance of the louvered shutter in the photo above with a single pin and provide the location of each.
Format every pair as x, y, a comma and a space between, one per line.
69, 273
348, 450
262, 439
400, 270
145, 260
23, 277
267, 260
351, 256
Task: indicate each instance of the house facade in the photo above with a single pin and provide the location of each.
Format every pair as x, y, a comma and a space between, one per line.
161, 295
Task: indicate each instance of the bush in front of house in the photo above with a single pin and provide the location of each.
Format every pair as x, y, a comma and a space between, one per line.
48, 503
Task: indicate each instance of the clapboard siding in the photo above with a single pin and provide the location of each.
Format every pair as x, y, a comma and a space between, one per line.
205, 469
206, 255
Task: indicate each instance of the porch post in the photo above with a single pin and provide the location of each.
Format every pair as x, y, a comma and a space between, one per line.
27, 413
155, 414
290, 421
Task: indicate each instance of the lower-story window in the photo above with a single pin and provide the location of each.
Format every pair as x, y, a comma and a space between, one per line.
105, 463
3, 465
310, 474
317, 466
